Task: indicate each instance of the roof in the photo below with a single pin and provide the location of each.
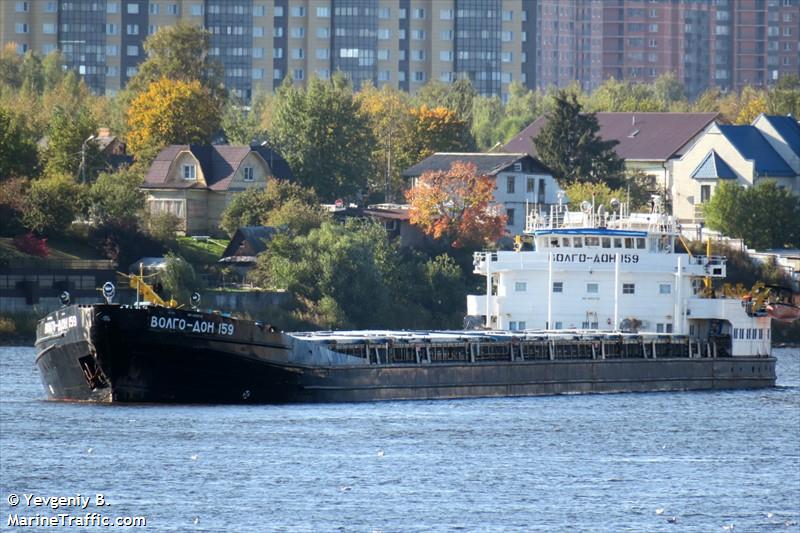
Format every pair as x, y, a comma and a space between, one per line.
713, 166
789, 129
392, 212
488, 164
641, 136
217, 162
749, 141
249, 240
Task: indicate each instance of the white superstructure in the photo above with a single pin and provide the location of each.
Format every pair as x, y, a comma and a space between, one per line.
611, 271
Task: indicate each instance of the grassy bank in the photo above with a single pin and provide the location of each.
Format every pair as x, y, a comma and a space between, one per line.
18, 329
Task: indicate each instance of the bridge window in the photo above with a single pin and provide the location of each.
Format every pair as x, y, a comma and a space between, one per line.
606, 242
669, 327
592, 241
659, 328
735, 333
617, 242
565, 242
628, 242
554, 242
641, 243
512, 325
558, 286
577, 242
748, 333
559, 325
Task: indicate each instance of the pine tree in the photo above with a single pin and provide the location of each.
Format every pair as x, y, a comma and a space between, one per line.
570, 145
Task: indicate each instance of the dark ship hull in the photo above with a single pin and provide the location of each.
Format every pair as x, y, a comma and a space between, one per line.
109, 353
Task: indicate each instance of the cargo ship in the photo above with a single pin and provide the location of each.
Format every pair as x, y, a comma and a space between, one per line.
597, 301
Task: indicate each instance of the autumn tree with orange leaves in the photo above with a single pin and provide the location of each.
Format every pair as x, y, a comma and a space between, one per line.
456, 205
171, 112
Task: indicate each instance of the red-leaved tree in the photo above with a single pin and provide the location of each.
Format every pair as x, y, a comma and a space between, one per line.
456, 205
31, 244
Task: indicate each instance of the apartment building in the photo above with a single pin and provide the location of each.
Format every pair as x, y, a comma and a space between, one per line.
726, 43
406, 43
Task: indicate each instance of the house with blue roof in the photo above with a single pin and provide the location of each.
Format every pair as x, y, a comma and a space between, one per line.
768, 149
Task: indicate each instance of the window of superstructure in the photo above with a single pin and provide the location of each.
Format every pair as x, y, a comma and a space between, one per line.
628, 288
606, 242
617, 242
554, 243
659, 328
521, 325
629, 242
558, 286
559, 325
592, 288
577, 242
565, 242
748, 333
664, 288
592, 241
669, 327
641, 243
520, 286
512, 325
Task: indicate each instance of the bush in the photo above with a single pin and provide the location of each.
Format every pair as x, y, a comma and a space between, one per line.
52, 204
163, 227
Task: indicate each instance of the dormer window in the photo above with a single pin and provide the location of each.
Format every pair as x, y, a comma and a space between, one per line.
248, 173
189, 172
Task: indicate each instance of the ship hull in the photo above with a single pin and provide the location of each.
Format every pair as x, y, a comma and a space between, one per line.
112, 354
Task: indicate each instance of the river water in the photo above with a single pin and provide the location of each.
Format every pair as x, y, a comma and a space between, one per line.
689, 461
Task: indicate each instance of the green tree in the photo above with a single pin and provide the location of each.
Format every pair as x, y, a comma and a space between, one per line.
254, 207
319, 269
784, 97
52, 204
242, 122
764, 216
458, 97
10, 66
670, 91
179, 52
324, 135
115, 198
52, 72
522, 108
179, 278
13, 200
570, 145
487, 114
67, 146
17, 147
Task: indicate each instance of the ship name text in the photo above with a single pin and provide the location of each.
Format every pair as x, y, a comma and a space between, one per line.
595, 258
55, 327
196, 326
